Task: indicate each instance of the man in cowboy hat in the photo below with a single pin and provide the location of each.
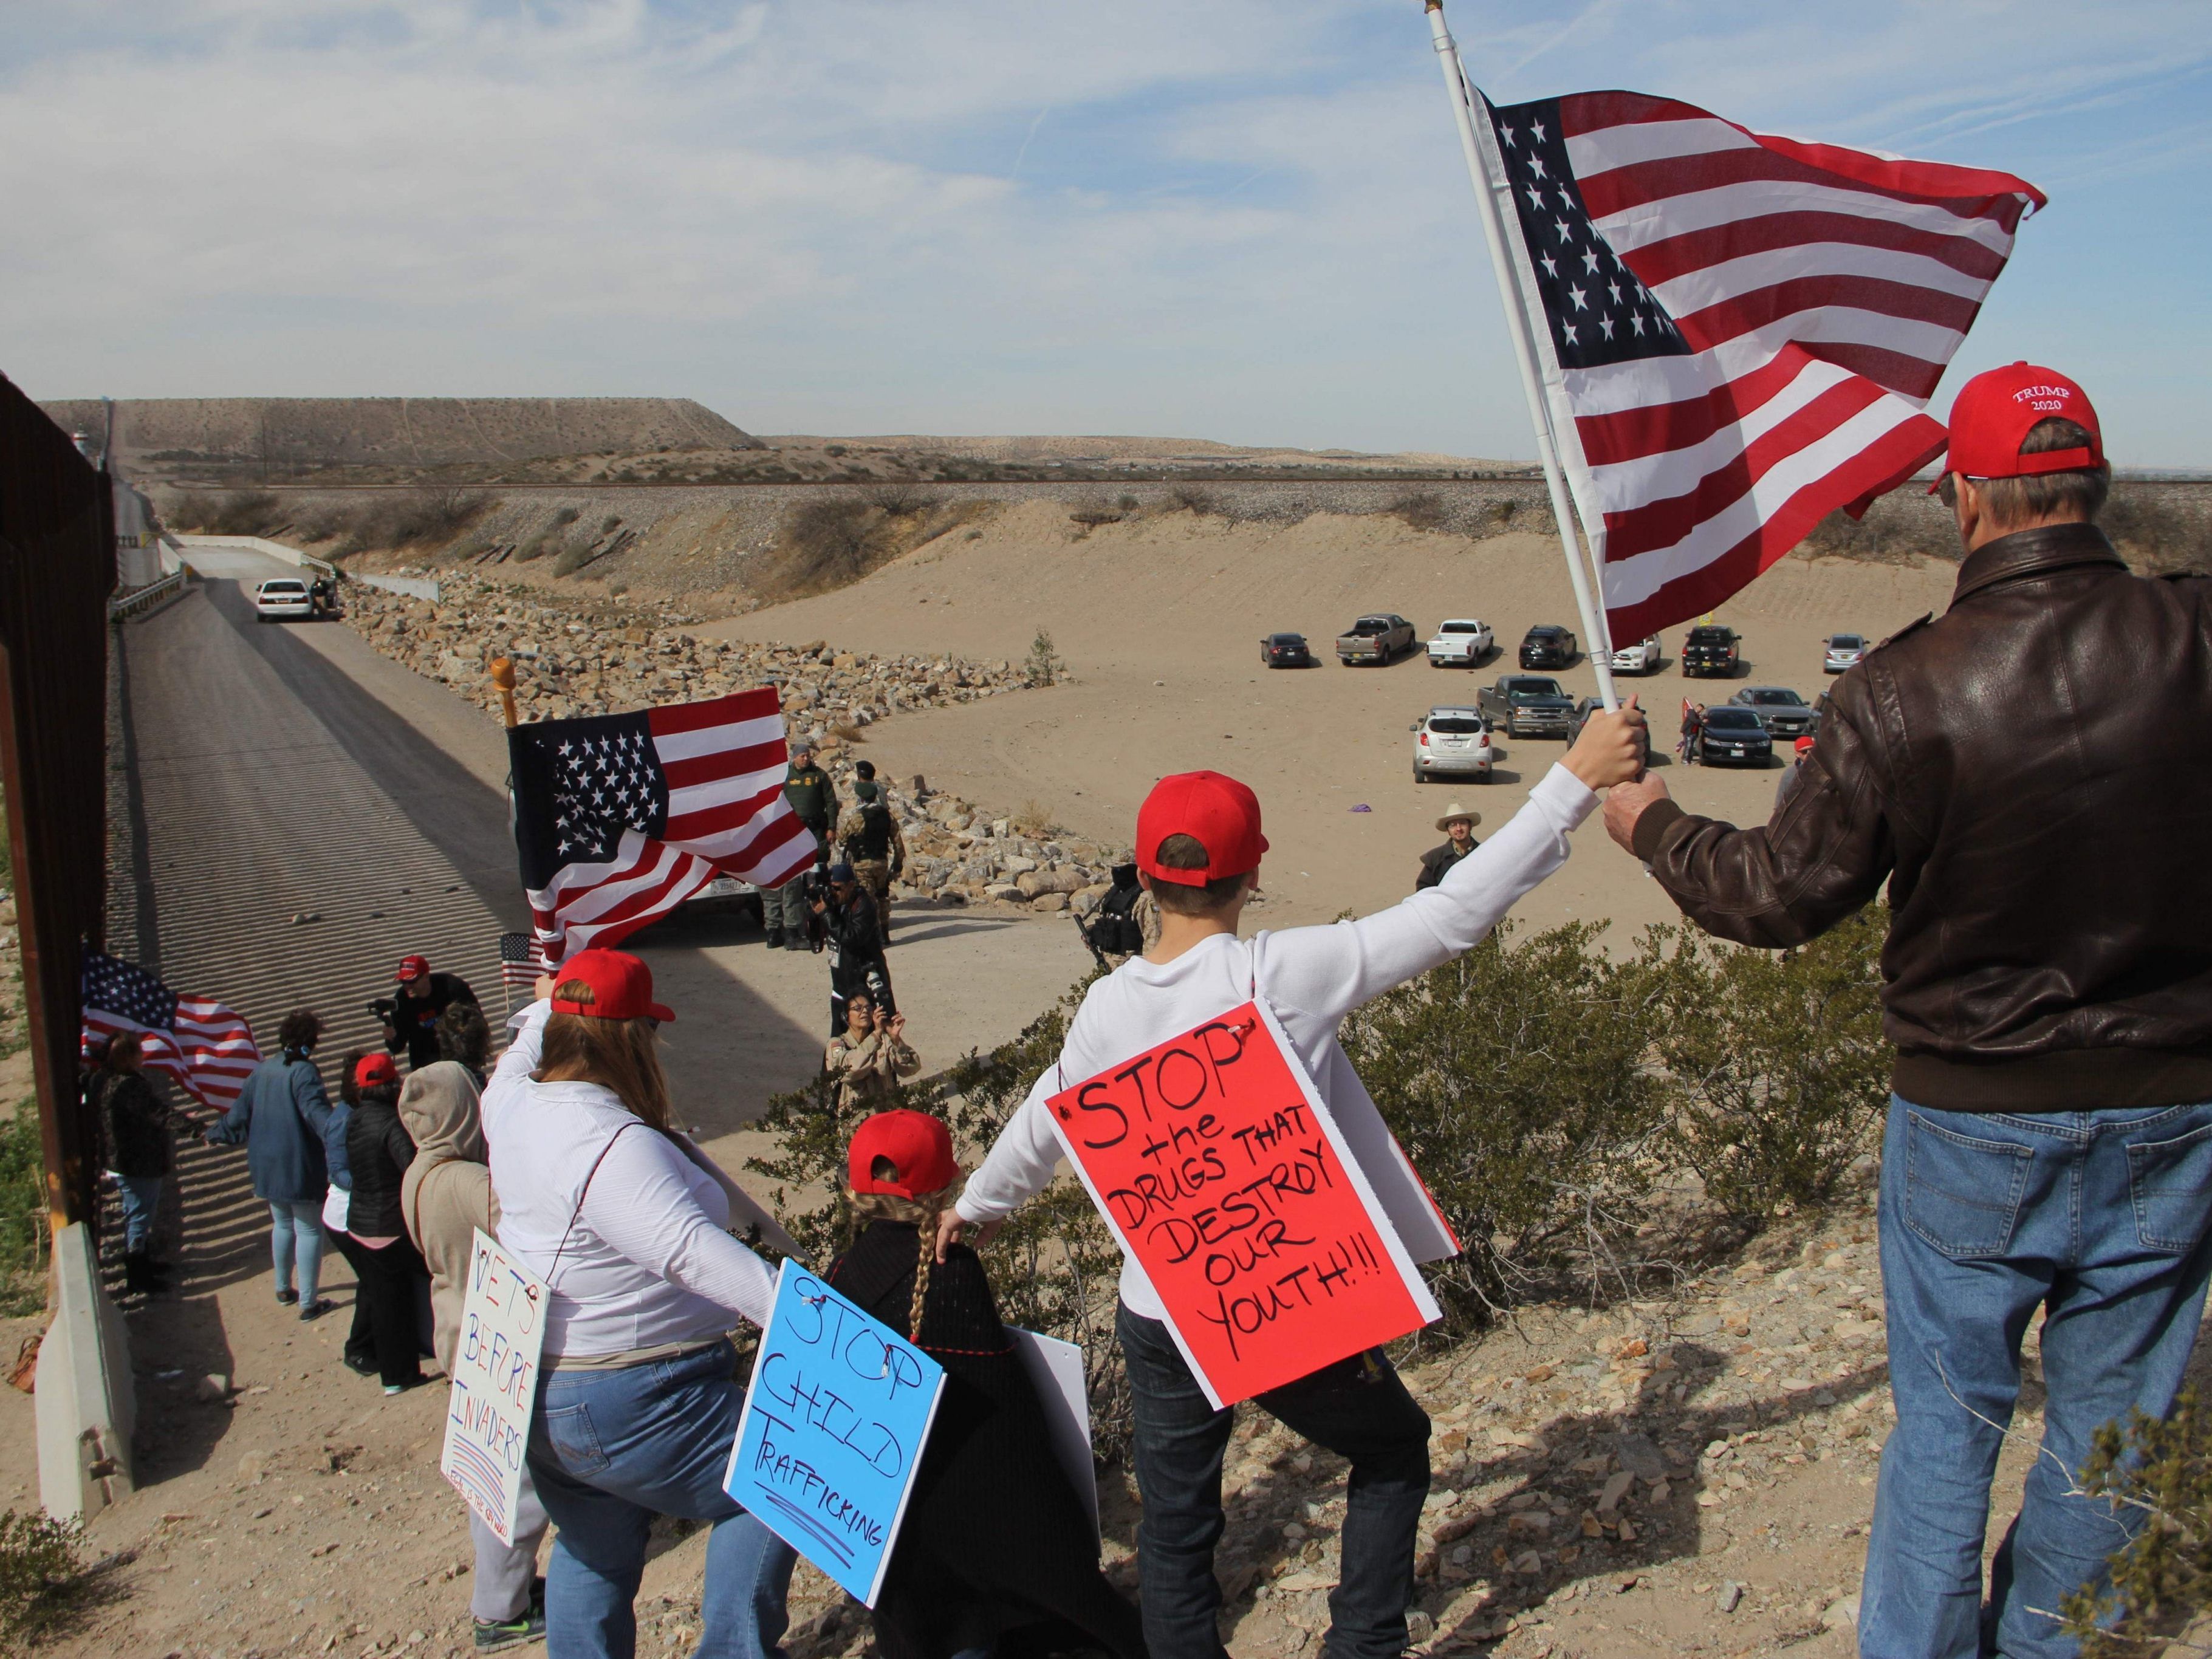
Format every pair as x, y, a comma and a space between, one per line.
1458, 824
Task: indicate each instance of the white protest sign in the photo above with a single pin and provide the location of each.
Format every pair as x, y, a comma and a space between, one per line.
1055, 1370
494, 1383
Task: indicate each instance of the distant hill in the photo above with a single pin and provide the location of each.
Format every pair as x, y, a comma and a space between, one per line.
159, 435
1120, 451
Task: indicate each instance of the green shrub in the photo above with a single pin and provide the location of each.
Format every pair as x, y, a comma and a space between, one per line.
41, 1578
1042, 664
1514, 1078
1776, 1062
23, 1226
2157, 1476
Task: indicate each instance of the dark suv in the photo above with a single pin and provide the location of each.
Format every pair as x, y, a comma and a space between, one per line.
1547, 644
1713, 651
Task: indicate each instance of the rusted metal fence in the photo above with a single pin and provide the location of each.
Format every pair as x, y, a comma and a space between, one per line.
56, 569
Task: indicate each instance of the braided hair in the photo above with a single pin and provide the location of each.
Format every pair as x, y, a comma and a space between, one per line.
922, 1212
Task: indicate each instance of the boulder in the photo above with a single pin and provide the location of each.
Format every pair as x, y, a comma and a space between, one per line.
1049, 902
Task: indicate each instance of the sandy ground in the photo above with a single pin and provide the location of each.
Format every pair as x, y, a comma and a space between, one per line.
1159, 622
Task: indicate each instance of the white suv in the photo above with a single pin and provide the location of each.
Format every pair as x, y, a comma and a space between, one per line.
282, 598
1461, 642
1642, 657
1452, 743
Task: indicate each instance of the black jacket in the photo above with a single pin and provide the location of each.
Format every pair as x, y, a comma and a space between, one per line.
856, 944
140, 1126
414, 1019
379, 1149
995, 1549
2029, 774
1436, 862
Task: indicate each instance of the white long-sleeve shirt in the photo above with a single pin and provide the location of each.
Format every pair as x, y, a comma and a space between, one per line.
1311, 977
647, 1260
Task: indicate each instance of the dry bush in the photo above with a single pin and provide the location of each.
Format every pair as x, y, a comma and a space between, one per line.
2154, 528
847, 733
1033, 820
1194, 498
1892, 532
572, 558
824, 542
413, 517
898, 499
1422, 509
235, 512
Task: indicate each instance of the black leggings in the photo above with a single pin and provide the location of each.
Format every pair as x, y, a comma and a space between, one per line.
360, 1340
388, 1280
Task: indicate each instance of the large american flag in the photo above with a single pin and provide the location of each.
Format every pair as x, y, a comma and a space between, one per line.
206, 1047
620, 817
1736, 331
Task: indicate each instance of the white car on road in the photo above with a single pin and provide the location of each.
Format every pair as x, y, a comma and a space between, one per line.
1452, 743
282, 598
1642, 657
1461, 642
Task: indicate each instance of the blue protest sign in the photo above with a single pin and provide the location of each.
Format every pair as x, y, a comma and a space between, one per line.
832, 1431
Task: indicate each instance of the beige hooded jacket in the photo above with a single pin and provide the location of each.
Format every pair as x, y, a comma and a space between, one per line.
445, 1194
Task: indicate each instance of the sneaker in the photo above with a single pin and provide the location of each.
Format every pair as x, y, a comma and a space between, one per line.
360, 1365
287, 1297
391, 1388
497, 1635
310, 1311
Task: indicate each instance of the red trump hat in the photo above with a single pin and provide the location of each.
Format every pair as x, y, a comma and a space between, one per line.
411, 968
1218, 813
917, 1147
1994, 412
373, 1069
621, 986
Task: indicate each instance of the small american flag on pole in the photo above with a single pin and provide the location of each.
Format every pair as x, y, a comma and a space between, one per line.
206, 1047
1735, 333
521, 960
620, 817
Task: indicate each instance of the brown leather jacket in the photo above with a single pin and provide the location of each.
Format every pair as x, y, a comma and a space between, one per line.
2032, 772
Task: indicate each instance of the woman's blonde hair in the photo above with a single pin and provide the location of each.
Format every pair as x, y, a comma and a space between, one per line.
922, 1212
619, 1054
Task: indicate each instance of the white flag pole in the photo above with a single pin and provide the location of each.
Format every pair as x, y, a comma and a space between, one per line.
1595, 634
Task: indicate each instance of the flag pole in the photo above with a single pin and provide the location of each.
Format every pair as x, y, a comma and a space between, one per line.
502, 675
1524, 352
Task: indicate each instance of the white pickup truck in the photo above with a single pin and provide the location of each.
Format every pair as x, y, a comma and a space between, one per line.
1461, 642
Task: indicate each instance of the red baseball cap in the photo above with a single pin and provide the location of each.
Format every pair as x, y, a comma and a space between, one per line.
373, 1069
1803, 744
621, 986
1994, 410
1214, 810
918, 1147
411, 968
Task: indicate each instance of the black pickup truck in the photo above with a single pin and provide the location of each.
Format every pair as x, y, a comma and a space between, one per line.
1528, 706
1711, 652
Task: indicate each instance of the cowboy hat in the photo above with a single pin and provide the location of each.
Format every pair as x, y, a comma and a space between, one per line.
1458, 811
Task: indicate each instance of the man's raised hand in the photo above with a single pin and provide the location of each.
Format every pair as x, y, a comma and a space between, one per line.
1611, 748
1625, 805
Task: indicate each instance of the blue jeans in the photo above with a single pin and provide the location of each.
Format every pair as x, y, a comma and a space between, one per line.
2099, 1219
297, 1229
141, 1197
610, 1449
1358, 1408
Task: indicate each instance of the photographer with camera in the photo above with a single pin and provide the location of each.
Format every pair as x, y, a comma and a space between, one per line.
848, 916
411, 1018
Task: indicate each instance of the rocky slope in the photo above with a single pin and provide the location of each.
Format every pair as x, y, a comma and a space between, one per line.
599, 656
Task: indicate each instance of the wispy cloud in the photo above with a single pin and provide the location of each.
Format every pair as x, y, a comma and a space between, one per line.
1246, 219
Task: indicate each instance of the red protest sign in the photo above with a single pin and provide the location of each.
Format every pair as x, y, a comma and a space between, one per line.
1221, 1172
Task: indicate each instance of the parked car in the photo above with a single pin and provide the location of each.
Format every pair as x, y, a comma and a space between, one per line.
1452, 743
1285, 651
282, 598
1547, 644
1377, 639
1780, 710
1589, 706
1841, 652
730, 893
1642, 657
1461, 642
1497, 698
1733, 736
1711, 651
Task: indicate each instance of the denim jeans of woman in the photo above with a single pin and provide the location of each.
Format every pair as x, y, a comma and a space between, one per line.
141, 1197
2097, 1220
295, 1232
609, 1450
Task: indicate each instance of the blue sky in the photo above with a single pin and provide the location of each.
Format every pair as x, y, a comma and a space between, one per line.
1245, 220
